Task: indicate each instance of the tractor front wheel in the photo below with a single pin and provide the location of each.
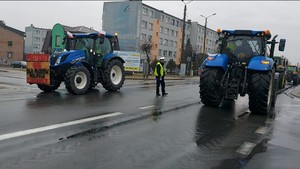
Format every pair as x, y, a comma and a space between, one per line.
211, 91
261, 91
78, 80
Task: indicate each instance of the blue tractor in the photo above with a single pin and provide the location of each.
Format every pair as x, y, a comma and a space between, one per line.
87, 60
243, 65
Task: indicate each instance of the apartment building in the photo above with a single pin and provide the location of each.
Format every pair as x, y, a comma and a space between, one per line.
11, 44
35, 38
137, 23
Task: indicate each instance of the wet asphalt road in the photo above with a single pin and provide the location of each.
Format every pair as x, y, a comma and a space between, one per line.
189, 137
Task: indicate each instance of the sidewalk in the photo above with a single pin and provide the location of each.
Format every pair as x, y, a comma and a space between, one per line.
296, 91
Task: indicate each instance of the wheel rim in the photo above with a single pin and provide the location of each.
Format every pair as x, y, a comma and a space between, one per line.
116, 75
80, 80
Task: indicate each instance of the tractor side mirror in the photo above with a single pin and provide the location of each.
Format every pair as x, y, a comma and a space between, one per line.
282, 44
101, 39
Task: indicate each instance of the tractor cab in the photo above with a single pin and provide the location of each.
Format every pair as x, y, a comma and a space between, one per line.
242, 45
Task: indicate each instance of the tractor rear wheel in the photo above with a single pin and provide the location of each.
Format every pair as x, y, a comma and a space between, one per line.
77, 80
211, 92
114, 75
261, 92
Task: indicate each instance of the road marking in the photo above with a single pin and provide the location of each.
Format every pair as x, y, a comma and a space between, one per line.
262, 130
146, 107
246, 148
55, 126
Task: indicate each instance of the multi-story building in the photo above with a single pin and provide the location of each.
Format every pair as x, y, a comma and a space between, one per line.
11, 44
35, 38
137, 23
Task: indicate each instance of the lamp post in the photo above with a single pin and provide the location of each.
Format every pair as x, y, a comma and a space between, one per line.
205, 27
183, 32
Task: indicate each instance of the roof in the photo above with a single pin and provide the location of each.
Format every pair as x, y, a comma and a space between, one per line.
21, 33
78, 29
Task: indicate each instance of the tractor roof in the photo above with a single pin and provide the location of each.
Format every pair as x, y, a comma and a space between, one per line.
265, 33
93, 34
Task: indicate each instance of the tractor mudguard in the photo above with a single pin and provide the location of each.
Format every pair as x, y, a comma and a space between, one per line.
109, 57
261, 63
219, 60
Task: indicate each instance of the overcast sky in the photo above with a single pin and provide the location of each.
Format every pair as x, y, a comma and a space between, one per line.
280, 17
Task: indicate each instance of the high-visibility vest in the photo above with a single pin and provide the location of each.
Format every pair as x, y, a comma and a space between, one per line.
161, 69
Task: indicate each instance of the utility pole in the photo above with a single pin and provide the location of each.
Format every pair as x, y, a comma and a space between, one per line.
183, 59
205, 28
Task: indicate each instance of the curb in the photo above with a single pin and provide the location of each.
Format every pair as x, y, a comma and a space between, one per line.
293, 92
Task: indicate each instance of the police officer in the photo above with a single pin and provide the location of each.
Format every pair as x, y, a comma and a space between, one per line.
159, 73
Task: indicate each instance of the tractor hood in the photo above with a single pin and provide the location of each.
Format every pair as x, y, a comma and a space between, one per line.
68, 57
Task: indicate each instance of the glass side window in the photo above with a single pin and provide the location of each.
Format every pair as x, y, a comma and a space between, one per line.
103, 49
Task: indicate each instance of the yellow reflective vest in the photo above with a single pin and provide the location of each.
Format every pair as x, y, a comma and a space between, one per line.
161, 70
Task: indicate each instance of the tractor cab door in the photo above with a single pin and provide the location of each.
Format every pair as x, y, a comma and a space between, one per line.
103, 48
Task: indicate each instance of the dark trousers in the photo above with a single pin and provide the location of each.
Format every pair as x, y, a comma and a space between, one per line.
162, 83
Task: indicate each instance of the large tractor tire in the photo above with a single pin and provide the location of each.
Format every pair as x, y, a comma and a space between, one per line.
49, 88
78, 80
295, 80
261, 89
211, 92
114, 75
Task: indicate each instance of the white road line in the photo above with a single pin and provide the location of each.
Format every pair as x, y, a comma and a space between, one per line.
146, 107
246, 148
262, 130
55, 126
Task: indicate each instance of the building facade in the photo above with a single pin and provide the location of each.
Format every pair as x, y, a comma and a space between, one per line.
35, 38
137, 23
11, 44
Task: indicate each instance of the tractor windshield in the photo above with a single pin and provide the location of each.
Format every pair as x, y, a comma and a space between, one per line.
83, 44
242, 48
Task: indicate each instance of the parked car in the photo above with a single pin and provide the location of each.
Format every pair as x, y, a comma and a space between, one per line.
18, 64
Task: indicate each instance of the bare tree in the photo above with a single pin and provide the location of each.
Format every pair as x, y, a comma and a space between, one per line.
146, 46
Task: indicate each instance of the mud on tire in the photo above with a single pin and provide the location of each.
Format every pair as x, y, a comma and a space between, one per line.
77, 80
114, 75
211, 92
261, 92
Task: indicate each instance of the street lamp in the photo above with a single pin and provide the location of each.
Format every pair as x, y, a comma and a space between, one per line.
205, 27
183, 30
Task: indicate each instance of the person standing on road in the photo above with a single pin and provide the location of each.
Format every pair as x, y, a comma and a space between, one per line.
159, 73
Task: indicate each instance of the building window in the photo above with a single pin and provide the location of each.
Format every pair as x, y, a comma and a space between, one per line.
159, 52
171, 43
36, 46
9, 43
167, 19
177, 23
172, 32
160, 41
151, 14
37, 31
151, 26
144, 24
174, 54
167, 31
176, 33
143, 36
161, 29
170, 53
175, 44
166, 42
57, 41
145, 11
173, 22
9, 55
37, 39
150, 38
198, 38
165, 53
162, 17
